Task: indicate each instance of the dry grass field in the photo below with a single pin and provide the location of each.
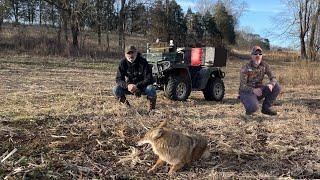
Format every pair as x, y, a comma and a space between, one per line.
61, 117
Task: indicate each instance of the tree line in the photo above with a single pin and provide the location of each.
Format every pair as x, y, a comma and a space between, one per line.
211, 25
158, 19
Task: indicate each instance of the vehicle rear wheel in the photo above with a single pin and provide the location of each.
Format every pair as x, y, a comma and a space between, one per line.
214, 90
178, 88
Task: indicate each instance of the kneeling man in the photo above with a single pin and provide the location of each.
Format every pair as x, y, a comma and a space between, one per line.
251, 88
134, 76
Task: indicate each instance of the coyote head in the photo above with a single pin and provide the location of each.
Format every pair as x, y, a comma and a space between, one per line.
152, 134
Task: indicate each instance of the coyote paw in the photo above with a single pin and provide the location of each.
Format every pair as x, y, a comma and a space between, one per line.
172, 173
151, 171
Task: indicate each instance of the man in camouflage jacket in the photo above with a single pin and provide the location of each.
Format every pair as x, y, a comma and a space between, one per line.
252, 89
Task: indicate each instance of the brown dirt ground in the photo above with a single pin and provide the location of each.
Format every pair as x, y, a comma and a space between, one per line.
62, 118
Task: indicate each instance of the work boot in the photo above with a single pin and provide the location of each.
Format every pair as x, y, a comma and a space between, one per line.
249, 113
124, 101
152, 103
269, 111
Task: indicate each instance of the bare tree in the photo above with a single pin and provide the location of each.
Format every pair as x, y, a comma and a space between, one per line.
122, 19
40, 11
99, 19
236, 8
314, 26
108, 20
204, 6
317, 42
296, 22
15, 7
122, 24
304, 11
72, 12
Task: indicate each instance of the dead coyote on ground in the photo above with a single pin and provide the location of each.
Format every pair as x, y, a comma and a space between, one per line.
173, 147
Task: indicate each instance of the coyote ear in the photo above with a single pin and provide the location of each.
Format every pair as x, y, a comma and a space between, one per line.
157, 133
163, 124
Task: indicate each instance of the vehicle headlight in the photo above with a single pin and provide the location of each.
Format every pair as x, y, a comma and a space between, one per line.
166, 64
154, 69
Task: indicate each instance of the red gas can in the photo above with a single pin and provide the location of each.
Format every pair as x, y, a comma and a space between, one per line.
196, 56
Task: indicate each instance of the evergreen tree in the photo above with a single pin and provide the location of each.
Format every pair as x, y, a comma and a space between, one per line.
225, 23
197, 29
4, 9
136, 17
159, 21
188, 19
177, 26
211, 30
266, 44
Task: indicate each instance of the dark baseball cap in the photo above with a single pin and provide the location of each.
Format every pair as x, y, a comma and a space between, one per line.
256, 49
130, 48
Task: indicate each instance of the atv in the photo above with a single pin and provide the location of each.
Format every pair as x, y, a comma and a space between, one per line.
178, 71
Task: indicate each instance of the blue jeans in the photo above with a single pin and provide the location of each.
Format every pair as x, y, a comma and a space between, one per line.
251, 101
150, 91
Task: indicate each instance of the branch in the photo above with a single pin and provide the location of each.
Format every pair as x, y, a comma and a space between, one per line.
10, 154
59, 5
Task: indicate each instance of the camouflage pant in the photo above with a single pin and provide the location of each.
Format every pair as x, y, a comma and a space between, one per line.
251, 101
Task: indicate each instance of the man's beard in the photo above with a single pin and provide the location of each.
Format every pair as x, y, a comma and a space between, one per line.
131, 59
257, 62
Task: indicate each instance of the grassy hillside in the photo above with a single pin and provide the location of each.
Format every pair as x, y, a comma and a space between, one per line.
44, 41
61, 116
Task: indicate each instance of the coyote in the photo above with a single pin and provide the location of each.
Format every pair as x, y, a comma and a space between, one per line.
173, 147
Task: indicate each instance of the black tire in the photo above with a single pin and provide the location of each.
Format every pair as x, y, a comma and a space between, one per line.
178, 88
214, 90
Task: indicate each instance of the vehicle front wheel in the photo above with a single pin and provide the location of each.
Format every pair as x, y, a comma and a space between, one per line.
214, 90
178, 88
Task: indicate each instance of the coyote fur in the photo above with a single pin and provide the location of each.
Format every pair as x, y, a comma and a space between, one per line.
173, 147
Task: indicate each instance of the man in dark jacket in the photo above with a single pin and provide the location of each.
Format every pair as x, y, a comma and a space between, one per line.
134, 76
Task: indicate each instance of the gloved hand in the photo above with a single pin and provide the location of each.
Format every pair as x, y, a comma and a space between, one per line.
132, 88
257, 91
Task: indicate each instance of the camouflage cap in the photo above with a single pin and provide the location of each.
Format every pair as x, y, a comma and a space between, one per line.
130, 48
255, 49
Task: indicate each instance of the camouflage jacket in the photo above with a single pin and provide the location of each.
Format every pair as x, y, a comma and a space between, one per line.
251, 77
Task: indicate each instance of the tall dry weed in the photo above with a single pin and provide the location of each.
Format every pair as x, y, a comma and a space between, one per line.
300, 73
285, 56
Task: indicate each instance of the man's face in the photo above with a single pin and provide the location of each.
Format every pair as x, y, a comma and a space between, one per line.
131, 56
257, 57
